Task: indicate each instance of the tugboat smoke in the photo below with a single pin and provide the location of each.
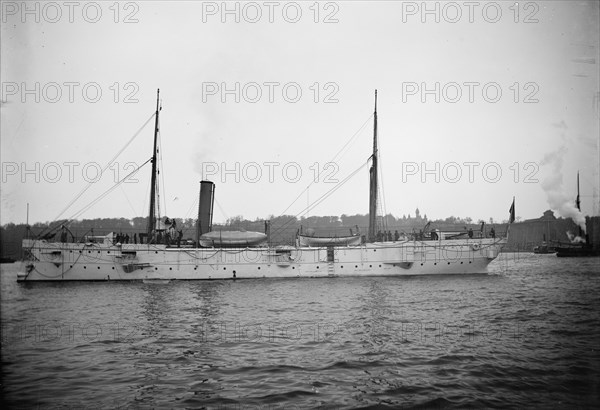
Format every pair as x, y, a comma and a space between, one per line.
553, 187
575, 239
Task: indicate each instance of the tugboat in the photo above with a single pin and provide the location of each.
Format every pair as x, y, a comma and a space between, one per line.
577, 249
543, 248
578, 245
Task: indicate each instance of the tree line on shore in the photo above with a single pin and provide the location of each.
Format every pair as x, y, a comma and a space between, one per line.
283, 228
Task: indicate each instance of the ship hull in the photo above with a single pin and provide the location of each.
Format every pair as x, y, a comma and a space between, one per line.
100, 262
574, 252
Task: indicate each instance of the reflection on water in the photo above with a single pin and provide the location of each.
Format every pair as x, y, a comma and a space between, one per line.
524, 335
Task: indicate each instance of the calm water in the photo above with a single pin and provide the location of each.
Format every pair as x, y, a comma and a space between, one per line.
526, 335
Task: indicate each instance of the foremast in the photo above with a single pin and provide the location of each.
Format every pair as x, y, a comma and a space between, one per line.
578, 200
578, 203
373, 173
152, 216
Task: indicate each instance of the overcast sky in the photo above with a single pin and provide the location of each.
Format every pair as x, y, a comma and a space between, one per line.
478, 103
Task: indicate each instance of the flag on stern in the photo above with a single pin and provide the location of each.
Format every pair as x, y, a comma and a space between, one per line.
512, 212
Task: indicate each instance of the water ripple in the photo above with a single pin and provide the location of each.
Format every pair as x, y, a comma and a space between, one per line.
524, 336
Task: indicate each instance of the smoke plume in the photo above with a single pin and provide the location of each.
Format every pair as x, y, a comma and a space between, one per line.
575, 239
553, 187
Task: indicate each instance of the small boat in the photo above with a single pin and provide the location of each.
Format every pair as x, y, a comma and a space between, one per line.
578, 247
353, 240
232, 239
543, 248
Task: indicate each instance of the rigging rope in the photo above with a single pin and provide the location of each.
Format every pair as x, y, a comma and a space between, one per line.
339, 153
352, 138
331, 191
221, 209
380, 190
335, 188
128, 201
194, 206
162, 175
92, 203
105, 167
49, 229
146, 195
321, 198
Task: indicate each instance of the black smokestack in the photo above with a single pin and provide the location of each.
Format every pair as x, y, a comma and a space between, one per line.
205, 207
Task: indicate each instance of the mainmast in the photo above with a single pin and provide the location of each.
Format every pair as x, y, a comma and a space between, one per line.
578, 203
152, 217
372, 234
577, 200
